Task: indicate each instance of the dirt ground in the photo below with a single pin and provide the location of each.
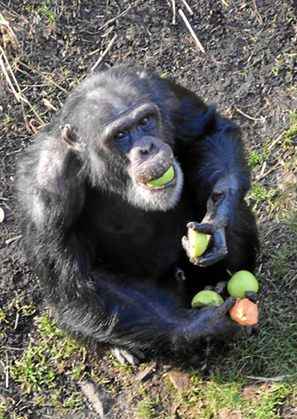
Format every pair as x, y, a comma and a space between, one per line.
249, 70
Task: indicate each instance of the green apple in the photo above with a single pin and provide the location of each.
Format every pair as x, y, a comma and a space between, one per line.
206, 298
241, 282
167, 177
197, 242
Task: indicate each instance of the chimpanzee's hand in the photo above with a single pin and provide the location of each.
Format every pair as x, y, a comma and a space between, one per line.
219, 208
211, 322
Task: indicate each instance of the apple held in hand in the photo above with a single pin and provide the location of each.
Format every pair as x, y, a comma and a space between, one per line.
206, 298
198, 243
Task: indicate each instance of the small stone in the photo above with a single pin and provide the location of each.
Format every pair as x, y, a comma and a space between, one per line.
146, 373
180, 380
229, 414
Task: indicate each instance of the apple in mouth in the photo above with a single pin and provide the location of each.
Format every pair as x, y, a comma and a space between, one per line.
163, 181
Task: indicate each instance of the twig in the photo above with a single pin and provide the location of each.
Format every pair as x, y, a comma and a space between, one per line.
271, 379
261, 119
118, 16
10, 70
6, 75
9, 82
7, 26
11, 348
16, 90
272, 169
274, 142
17, 318
198, 43
7, 372
49, 80
173, 12
115, 18
258, 16
13, 239
89, 390
5, 367
188, 7
109, 30
108, 48
146, 373
263, 168
49, 105
46, 77
2, 215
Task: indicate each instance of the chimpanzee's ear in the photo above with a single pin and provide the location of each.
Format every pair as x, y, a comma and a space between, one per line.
70, 137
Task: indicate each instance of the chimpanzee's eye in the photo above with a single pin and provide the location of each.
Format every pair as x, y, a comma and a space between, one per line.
144, 121
120, 135
122, 140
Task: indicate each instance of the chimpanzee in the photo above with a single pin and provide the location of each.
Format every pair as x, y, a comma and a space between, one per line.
109, 242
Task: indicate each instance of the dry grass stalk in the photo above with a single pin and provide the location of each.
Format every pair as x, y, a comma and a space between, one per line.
14, 86
173, 12
108, 48
46, 77
123, 13
276, 379
261, 119
90, 391
188, 7
8, 35
187, 23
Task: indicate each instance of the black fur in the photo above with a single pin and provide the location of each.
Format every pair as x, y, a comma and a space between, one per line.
106, 263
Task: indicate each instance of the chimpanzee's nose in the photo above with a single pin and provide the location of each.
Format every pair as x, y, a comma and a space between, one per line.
147, 148
144, 149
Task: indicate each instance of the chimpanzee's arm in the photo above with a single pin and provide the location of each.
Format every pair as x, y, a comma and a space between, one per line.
222, 178
216, 173
96, 305
142, 319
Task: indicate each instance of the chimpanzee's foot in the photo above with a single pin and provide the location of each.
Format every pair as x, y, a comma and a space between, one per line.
128, 358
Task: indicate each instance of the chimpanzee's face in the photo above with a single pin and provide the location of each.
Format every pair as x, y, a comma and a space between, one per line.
130, 154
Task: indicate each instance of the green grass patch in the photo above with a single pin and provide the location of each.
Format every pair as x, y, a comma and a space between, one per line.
34, 371
284, 66
272, 352
45, 10
282, 259
215, 399
257, 376
3, 410
291, 134
260, 194
145, 409
2, 316
51, 356
257, 158
215, 395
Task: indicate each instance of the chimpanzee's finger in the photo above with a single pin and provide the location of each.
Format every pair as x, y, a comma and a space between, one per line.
206, 228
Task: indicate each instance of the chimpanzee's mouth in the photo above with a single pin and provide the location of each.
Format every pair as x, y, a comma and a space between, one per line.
165, 180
